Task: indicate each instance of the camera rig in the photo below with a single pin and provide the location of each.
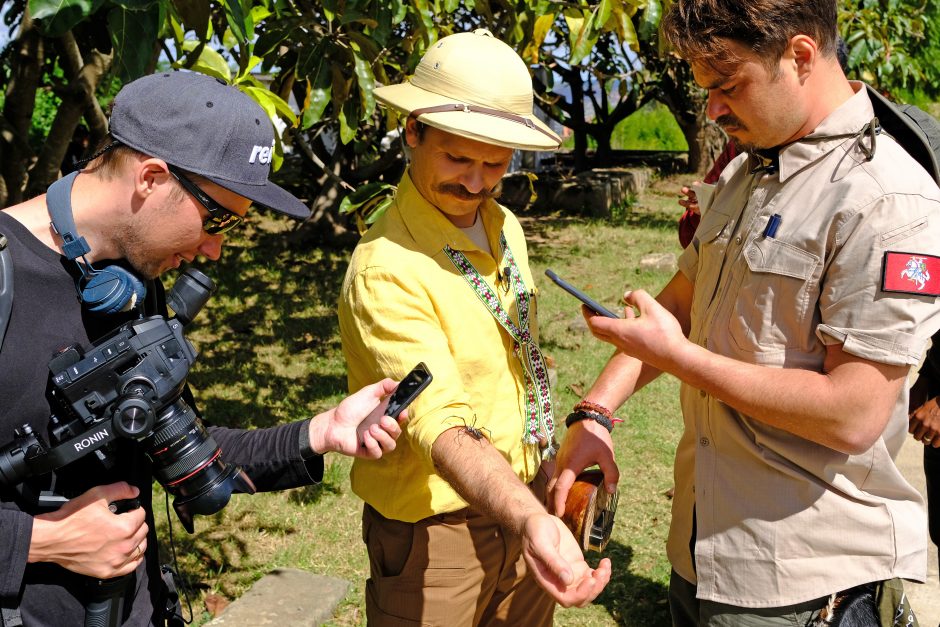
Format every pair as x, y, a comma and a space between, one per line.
129, 384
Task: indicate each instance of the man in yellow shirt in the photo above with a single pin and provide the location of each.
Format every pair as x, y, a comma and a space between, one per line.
455, 533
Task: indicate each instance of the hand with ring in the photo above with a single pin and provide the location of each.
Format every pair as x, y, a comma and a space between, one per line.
924, 423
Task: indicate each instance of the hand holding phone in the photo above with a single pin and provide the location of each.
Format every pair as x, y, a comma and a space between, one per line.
411, 385
592, 304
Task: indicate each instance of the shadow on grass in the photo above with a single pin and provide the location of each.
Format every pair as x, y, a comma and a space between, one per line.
311, 494
630, 599
275, 301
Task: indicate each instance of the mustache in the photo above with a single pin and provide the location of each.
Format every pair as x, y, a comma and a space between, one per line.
729, 119
461, 192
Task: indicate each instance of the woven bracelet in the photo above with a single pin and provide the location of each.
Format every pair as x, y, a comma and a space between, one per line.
579, 415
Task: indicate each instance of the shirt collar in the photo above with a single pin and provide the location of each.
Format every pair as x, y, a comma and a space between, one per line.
842, 126
431, 229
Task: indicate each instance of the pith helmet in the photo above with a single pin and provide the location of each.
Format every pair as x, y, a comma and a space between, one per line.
475, 86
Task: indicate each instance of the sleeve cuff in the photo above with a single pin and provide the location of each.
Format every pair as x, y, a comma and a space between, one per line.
306, 451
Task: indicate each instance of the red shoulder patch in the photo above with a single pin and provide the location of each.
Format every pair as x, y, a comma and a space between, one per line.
911, 273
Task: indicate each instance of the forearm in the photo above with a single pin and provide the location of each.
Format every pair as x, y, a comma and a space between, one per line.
483, 478
272, 456
845, 408
622, 377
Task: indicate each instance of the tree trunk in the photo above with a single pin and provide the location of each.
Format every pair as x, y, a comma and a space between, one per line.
26, 71
578, 124
75, 102
70, 57
604, 151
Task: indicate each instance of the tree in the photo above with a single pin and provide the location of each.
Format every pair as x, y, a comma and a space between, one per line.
895, 46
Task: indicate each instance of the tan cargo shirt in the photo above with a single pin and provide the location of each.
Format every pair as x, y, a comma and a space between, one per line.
779, 519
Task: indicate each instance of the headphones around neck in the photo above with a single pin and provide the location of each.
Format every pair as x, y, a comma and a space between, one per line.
112, 289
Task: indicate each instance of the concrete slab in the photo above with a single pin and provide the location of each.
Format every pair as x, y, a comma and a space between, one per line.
925, 598
286, 597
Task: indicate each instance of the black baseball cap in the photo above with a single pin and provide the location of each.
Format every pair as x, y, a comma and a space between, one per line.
205, 126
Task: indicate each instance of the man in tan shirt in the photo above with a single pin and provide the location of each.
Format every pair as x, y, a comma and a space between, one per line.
808, 291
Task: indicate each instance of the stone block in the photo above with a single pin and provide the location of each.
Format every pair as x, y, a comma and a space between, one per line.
286, 597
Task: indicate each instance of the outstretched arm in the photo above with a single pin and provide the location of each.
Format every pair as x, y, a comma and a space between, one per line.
844, 407
586, 442
483, 478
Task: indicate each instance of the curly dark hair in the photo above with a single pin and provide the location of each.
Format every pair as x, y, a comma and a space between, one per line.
700, 30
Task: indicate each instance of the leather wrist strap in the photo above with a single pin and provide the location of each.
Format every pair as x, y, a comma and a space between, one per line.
580, 414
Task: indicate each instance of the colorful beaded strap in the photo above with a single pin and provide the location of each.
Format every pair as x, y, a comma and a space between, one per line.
539, 427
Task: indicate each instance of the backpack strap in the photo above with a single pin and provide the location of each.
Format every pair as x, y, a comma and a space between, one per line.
914, 129
6, 286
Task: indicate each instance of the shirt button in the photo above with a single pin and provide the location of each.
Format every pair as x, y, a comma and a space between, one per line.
701, 393
703, 441
737, 240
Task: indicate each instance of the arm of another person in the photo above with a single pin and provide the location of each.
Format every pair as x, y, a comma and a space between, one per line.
924, 416
289, 456
845, 407
481, 475
586, 442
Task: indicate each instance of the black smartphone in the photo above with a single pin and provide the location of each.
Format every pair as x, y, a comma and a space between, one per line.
592, 304
408, 390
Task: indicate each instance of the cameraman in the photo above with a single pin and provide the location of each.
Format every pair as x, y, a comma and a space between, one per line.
189, 156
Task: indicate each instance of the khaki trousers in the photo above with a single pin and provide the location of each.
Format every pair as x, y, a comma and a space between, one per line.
450, 570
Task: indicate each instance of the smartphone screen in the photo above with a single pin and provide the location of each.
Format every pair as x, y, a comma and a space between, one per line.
408, 390
592, 304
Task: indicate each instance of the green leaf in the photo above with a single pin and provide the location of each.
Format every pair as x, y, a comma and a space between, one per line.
543, 24
274, 34
259, 14
368, 203
209, 62
134, 36
315, 104
56, 17
584, 43
195, 15
177, 28
603, 12
623, 26
363, 194
366, 84
245, 73
271, 103
312, 61
134, 4
346, 132
239, 19
652, 16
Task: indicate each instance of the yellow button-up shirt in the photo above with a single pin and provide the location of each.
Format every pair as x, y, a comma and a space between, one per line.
403, 301
779, 519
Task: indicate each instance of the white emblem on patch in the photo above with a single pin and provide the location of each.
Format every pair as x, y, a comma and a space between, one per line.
916, 272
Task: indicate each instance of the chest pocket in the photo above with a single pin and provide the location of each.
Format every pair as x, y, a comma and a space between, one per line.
709, 243
772, 308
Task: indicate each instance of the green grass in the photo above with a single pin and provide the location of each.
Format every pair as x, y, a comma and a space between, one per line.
652, 127
270, 353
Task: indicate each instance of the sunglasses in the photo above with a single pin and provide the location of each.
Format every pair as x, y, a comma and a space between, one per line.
220, 220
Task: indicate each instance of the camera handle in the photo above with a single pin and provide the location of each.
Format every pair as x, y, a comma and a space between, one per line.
105, 606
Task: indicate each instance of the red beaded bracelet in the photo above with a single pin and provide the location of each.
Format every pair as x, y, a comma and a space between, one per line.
598, 409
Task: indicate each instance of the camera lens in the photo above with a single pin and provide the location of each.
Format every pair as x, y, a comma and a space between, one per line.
188, 464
